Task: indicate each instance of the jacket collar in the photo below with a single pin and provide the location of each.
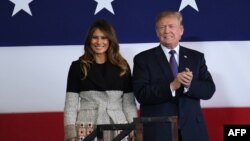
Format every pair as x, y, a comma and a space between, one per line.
103, 79
164, 64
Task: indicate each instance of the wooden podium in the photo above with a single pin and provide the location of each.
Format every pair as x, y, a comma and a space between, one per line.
139, 125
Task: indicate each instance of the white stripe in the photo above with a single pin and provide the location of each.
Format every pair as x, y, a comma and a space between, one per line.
33, 79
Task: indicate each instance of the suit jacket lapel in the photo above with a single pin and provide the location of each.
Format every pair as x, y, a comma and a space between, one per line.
183, 59
163, 62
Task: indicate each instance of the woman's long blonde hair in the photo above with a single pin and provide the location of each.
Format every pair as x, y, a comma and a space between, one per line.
113, 54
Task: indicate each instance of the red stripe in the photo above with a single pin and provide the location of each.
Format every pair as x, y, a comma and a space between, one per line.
49, 126
217, 117
31, 126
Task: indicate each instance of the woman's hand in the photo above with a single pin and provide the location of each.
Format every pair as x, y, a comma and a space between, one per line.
131, 136
72, 139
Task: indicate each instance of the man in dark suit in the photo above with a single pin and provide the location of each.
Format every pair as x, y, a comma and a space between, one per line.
161, 91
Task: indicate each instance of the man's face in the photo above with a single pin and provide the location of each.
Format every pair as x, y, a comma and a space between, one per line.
169, 31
